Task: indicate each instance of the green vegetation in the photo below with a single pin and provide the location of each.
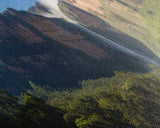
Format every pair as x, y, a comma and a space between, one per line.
138, 18
34, 113
150, 13
127, 100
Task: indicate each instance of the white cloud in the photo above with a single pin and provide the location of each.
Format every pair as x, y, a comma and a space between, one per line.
50, 4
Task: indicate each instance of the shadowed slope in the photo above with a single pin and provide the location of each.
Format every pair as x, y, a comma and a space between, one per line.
54, 52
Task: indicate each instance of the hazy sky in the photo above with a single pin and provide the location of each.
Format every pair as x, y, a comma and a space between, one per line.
16, 4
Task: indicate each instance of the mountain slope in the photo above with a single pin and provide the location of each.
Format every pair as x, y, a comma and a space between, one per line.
54, 52
89, 68
130, 17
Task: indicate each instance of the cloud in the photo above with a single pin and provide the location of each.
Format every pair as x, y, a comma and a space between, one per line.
50, 4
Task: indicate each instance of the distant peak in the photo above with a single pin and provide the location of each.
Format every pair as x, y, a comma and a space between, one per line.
9, 11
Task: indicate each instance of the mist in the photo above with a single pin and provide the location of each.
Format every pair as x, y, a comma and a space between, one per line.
52, 6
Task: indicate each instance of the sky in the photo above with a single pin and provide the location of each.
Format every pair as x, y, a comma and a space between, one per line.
16, 4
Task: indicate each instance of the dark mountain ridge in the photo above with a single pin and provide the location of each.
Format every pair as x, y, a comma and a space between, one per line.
50, 51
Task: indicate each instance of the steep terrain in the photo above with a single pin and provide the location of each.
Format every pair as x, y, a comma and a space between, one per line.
74, 10
132, 17
91, 64
54, 52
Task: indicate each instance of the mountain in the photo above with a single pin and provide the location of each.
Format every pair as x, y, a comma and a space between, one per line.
126, 27
136, 18
80, 64
50, 51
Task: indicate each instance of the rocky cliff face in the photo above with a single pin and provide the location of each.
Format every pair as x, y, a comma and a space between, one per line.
50, 51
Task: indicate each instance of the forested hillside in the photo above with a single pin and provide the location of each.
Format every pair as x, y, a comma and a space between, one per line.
127, 100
